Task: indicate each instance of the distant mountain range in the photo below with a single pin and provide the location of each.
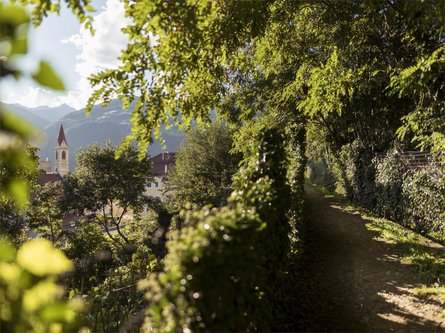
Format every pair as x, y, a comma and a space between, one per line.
41, 116
104, 123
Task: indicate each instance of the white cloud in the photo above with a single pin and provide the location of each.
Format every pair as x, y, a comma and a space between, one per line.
99, 51
102, 49
96, 53
35, 96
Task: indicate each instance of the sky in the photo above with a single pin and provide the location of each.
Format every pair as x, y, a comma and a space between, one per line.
74, 54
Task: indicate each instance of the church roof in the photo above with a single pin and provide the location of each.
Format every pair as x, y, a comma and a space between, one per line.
61, 136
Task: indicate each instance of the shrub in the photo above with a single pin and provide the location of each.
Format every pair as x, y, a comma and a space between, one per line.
225, 267
391, 174
396, 189
30, 298
115, 303
424, 191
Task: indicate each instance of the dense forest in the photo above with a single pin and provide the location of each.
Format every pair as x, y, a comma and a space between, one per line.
336, 93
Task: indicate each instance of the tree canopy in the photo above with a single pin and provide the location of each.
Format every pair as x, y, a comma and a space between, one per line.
204, 167
356, 69
104, 188
355, 76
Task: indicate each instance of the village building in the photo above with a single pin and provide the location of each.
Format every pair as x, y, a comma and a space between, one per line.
162, 163
61, 157
61, 168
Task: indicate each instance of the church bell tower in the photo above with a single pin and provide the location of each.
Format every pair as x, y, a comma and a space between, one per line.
61, 152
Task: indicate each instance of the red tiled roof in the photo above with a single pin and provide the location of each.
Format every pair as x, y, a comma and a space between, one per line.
162, 163
68, 219
61, 136
44, 179
48, 178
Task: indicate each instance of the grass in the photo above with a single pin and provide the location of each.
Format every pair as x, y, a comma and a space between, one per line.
414, 249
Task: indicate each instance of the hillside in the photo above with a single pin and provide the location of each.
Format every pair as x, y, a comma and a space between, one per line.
41, 116
111, 122
26, 114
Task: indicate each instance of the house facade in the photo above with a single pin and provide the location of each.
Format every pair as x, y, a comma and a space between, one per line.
162, 163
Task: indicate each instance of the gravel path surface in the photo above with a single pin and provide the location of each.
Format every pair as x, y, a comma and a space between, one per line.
357, 280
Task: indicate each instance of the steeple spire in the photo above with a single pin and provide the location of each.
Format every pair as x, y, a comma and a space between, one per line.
61, 154
61, 136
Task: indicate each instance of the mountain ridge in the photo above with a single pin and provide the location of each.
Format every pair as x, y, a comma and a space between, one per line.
103, 123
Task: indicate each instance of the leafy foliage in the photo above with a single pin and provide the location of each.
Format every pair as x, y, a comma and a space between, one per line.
204, 167
393, 188
41, 8
14, 25
426, 189
45, 214
241, 248
31, 300
174, 65
18, 176
116, 303
104, 189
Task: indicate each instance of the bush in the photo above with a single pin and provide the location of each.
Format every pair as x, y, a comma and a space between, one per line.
225, 267
424, 191
391, 173
30, 298
115, 303
395, 189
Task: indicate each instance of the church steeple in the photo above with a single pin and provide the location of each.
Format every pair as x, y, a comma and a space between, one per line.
61, 151
61, 136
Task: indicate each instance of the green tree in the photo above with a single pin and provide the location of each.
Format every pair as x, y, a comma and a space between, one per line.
341, 63
204, 167
105, 189
16, 171
31, 300
45, 214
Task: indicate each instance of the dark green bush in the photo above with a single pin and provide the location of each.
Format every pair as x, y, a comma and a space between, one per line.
391, 173
424, 190
225, 267
391, 186
115, 303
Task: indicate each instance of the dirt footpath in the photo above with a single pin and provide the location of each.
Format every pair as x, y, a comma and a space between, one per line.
358, 283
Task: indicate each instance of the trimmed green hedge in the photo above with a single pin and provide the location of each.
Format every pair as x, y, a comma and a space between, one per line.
395, 189
389, 185
226, 269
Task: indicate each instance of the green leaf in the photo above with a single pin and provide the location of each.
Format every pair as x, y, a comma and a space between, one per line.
9, 122
7, 251
14, 14
17, 189
20, 46
47, 77
38, 295
61, 312
41, 258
